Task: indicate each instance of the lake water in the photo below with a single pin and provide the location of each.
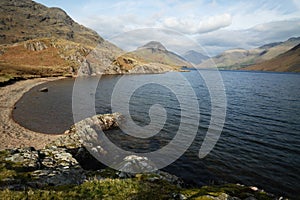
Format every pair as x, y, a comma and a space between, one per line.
259, 144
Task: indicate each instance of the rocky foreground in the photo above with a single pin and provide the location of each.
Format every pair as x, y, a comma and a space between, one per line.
64, 169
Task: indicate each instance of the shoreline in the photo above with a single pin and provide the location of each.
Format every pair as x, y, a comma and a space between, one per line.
13, 135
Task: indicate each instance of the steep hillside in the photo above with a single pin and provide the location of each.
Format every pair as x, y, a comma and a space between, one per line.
22, 20
239, 58
278, 49
54, 57
286, 62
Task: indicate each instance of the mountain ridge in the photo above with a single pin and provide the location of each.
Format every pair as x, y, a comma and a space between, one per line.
286, 62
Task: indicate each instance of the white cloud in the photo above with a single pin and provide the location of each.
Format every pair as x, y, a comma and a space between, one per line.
297, 3
219, 41
194, 25
108, 26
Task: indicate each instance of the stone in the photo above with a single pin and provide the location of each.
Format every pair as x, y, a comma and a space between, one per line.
253, 188
80, 133
44, 89
57, 177
133, 164
57, 157
35, 46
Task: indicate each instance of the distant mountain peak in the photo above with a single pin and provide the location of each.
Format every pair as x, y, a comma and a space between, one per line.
153, 45
195, 57
293, 39
191, 51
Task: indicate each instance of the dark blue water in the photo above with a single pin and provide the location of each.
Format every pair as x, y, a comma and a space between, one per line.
259, 144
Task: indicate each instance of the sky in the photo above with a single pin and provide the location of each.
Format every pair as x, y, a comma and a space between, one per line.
209, 26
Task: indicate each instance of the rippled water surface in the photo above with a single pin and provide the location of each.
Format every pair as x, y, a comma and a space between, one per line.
259, 144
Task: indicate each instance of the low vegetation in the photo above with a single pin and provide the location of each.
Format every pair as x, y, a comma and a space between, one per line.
134, 188
104, 184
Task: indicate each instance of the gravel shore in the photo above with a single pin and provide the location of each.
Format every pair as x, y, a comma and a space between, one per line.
12, 135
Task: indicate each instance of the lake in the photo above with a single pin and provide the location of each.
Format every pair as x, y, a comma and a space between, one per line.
260, 140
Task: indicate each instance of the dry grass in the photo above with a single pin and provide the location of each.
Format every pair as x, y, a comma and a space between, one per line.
59, 58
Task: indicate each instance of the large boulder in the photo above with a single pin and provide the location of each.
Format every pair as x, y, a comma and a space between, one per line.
73, 137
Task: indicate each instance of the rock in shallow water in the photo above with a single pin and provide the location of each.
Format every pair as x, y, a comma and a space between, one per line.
44, 89
74, 138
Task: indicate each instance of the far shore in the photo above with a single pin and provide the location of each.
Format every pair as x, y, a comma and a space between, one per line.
13, 135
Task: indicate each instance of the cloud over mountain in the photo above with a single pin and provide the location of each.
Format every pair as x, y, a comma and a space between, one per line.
215, 25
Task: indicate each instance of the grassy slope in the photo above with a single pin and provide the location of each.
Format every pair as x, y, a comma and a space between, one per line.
133, 189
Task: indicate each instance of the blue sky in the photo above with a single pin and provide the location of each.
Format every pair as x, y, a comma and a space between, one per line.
216, 25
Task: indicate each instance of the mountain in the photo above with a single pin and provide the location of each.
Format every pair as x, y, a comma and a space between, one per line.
195, 57
153, 45
152, 57
37, 41
286, 62
156, 54
231, 59
239, 58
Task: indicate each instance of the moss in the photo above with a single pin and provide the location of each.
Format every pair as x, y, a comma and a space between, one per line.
204, 198
110, 187
5, 78
5, 169
104, 173
142, 186
103, 189
6, 173
13, 170
230, 189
